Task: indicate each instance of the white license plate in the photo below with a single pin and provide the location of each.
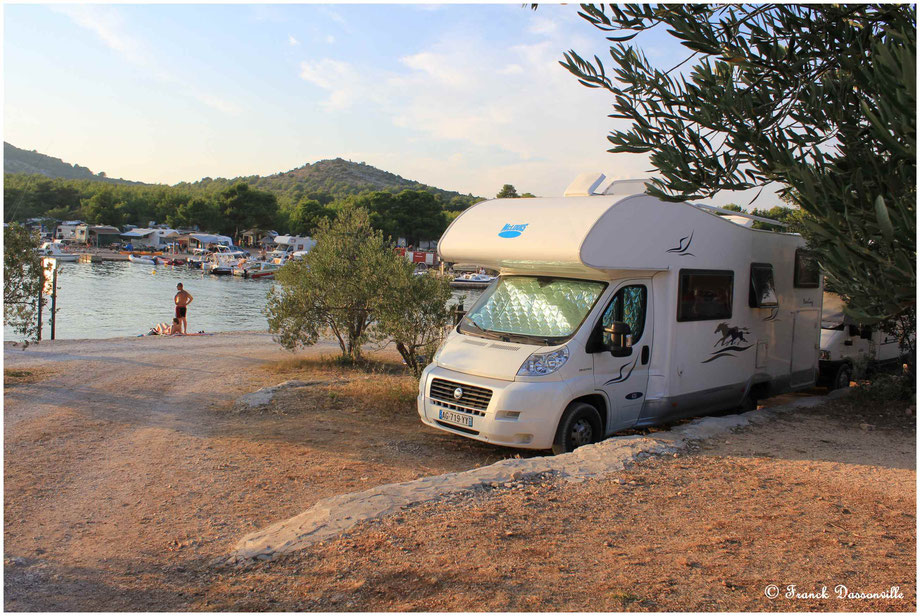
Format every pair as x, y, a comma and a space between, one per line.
455, 418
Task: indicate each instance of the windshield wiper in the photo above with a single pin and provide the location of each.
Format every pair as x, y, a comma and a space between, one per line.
484, 333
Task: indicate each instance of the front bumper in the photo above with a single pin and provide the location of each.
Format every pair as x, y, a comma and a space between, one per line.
519, 414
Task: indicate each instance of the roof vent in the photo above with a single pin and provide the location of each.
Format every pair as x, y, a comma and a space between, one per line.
628, 187
585, 185
744, 221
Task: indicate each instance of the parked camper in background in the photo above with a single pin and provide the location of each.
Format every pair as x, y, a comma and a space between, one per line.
292, 243
849, 350
618, 310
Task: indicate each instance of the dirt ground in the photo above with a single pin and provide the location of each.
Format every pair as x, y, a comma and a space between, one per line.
128, 471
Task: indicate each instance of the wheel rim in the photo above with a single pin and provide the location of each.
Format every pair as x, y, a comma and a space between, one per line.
581, 433
843, 379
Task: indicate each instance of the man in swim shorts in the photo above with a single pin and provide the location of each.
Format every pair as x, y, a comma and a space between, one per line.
183, 299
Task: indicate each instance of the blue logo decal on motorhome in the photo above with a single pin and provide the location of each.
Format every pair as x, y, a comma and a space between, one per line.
510, 230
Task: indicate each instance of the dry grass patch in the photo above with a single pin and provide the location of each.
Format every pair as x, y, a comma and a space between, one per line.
12, 378
378, 385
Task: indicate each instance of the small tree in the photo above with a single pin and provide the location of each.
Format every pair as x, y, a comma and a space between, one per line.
414, 315
22, 280
507, 192
338, 287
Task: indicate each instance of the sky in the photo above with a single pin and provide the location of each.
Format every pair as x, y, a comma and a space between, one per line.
462, 97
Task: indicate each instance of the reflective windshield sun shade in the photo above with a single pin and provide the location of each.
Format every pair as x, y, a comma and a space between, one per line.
536, 306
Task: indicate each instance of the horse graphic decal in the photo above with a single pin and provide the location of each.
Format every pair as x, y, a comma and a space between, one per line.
735, 333
683, 245
729, 343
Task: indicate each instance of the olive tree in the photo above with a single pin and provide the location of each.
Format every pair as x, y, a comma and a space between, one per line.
337, 288
818, 98
23, 278
415, 314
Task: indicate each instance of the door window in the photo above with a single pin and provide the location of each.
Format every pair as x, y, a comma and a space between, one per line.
807, 274
628, 306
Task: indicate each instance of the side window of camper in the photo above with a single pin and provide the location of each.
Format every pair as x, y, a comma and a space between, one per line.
628, 306
763, 291
705, 295
807, 275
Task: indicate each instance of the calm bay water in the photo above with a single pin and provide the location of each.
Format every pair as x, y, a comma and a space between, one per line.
117, 298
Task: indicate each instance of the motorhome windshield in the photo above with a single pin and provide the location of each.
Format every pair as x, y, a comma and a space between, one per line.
540, 309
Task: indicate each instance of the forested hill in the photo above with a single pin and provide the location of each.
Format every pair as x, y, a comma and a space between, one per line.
17, 160
336, 177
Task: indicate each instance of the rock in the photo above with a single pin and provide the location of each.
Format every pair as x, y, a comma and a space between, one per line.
911, 410
865, 426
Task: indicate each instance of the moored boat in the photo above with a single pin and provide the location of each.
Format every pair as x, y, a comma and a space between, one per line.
472, 281
256, 269
142, 259
53, 250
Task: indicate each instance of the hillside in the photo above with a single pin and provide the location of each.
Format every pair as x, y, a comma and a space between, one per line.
336, 177
17, 160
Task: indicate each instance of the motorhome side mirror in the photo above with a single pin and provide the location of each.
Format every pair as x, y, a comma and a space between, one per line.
618, 331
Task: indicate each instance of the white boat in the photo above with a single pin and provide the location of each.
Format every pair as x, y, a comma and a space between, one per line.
52, 250
144, 260
219, 265
472, 281
256, 269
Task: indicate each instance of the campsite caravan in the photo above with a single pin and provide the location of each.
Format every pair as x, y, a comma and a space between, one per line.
849, 350
613, 311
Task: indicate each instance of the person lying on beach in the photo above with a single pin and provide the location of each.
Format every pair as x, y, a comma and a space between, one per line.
165, 329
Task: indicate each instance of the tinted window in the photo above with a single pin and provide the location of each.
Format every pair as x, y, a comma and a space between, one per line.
705, 295
807, 274
628, 306
763, 291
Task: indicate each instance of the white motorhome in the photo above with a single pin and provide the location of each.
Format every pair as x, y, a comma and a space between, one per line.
849, 350
613, 311
293, 243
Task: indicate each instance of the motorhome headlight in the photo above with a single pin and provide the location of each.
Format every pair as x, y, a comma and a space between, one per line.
825, 355
540, 364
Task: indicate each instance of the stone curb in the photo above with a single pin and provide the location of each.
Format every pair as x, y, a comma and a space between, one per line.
335, 515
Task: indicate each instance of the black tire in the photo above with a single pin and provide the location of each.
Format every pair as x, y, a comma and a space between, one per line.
841, 378
748, 403
580, 425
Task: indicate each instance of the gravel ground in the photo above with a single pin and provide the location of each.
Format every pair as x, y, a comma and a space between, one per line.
129, 472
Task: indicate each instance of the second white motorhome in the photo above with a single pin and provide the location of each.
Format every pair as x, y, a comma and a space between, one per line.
850, 350
613, 311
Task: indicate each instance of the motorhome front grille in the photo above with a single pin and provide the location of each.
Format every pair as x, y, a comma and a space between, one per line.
454, 407
471, 396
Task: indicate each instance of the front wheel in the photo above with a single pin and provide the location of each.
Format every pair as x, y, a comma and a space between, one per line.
580, 425
842, 378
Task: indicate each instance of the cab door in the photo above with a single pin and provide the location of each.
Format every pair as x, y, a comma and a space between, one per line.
623, 376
